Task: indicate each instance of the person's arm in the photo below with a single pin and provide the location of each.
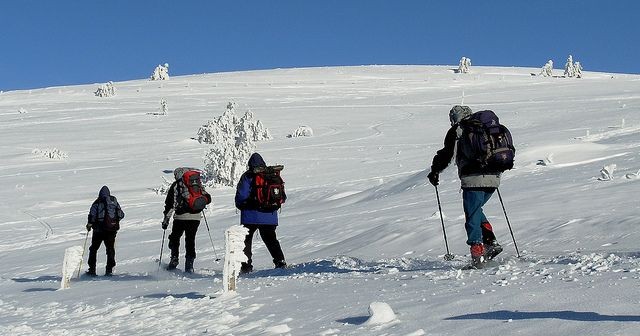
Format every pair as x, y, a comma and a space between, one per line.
243, 192
444, 156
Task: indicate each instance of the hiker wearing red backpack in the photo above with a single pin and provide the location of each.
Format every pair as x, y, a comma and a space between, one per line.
104, 218
185, 200
482, 153
259, 194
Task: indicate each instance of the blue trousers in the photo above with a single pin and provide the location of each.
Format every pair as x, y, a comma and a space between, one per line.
473, 199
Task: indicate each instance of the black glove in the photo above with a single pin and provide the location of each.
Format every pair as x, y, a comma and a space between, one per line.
165, 223
89, 225
433, 178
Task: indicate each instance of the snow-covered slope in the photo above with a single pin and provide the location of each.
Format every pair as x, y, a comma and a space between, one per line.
361, 223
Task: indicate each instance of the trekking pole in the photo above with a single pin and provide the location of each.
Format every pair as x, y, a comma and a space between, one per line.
508, 224
447, 256
210, 239
164, 232
84, 247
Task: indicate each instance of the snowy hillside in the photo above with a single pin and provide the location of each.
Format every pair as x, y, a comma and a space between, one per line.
360, 227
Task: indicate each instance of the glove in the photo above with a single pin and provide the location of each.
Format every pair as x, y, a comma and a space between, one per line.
433, 178
165, 223
89, 225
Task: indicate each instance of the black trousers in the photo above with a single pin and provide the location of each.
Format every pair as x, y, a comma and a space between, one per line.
268, 234
109, 239
189, 228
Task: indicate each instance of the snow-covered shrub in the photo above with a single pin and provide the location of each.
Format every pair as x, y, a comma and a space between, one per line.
578, 69
161, 72
50, 153
464, 65
233, 139
607, 172
106, 90
569, 68
164, 188
302, 131
163, 107
633, 176
22, 110
547, 69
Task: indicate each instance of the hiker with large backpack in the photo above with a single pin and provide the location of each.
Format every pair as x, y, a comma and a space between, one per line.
104, 218
483, 149
185, 201
259, 195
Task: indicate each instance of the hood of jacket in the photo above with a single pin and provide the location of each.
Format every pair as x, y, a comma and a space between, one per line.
104, 193
256, 161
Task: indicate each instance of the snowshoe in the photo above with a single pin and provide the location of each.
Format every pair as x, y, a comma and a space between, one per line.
492, 250
172, 264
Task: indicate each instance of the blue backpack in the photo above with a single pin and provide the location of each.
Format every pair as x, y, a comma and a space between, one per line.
486, 143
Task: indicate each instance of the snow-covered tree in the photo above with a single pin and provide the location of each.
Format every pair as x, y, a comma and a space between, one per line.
569, 68
50, 153
232, 140
578, 69
161, 72
302, 131
547, 69
164, 109
106, 90
464, 65
22, 110
606, 173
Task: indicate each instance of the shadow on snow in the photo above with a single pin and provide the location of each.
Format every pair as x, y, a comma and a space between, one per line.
560, 315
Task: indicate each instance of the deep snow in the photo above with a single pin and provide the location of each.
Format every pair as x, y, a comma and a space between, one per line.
360, 228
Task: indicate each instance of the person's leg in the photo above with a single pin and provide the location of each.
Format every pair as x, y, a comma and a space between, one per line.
96, 240
191, 228
247, 266
174, 243
268, 234
109, 244
472, 202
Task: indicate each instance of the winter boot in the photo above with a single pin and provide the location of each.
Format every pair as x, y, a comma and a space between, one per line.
188, 265
280, 264
108, 271
173, 263
491, 250
245, 268
91, 272
477, 255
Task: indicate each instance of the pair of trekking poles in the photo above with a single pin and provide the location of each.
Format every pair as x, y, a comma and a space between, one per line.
450, 256
164, 232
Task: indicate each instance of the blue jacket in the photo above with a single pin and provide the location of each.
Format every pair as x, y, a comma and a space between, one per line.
244, 197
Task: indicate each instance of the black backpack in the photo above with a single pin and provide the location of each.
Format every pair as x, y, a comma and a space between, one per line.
268, 188
486, 143
110, 223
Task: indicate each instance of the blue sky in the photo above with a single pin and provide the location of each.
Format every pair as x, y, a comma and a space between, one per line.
63, 42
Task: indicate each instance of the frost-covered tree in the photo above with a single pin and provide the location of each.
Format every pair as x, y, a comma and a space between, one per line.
464, 65
578, 69
164, 109
232, 140
161, 72
50, 153
547, 69
302, 131
22, 110
569, 68
106, 90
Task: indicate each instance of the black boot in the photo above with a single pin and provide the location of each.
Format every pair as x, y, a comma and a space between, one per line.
173, 263
245, 268
280, 264
188, 265
108, 271
91, 272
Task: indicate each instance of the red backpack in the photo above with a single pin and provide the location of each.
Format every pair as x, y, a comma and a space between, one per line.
191, 192
269, 188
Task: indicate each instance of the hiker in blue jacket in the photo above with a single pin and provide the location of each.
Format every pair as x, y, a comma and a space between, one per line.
254, 219
477, 187
104, 218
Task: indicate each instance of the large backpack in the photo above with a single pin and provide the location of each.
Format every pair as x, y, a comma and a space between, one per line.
268, 188
486, 143
110, 223
191, 195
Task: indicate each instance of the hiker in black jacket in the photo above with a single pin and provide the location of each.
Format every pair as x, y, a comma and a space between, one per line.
104, 218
